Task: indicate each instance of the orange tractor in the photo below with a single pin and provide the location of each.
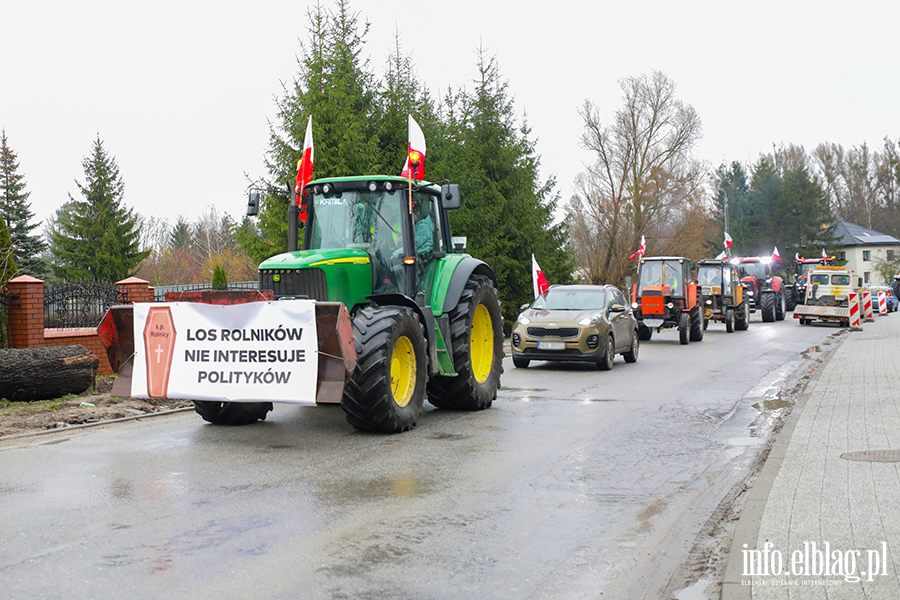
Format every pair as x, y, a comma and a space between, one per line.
666, 296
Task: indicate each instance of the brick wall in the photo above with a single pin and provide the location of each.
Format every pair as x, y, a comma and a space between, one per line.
26, 318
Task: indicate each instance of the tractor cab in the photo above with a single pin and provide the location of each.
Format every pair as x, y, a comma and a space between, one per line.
723, 294
765, 290
665, 295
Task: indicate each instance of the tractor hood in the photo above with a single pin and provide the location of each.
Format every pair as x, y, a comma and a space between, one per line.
303, 259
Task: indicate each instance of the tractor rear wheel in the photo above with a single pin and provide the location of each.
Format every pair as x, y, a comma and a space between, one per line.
790, 298
476, 331
729, 320
742, 317
696, 324
232, 413
387, 388
767, 307
779, 305
684, 328
645, 333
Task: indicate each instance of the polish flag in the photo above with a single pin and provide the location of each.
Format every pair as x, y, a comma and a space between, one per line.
797, 257
775, 255
823, 253
641, 250
416, 144
722, 256
538, 281
304, 169
728, 241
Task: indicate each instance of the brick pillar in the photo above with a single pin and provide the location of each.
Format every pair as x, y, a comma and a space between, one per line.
135, 290
26, 314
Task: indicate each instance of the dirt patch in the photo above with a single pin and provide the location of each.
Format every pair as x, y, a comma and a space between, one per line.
95, 405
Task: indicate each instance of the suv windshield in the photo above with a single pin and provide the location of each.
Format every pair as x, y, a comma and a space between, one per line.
570, 299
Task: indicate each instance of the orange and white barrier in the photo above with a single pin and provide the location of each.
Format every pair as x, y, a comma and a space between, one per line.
867, 306
882, 303
854, 310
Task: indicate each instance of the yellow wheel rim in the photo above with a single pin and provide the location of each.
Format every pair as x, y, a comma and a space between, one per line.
403, 371
482, 344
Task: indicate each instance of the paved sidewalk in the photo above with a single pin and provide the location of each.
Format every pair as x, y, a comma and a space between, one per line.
808, 496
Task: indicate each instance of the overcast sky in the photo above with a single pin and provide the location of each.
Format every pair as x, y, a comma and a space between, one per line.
181, 92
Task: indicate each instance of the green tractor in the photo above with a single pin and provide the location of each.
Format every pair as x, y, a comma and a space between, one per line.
425, 317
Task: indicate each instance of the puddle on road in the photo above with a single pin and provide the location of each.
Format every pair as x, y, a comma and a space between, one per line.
772, 404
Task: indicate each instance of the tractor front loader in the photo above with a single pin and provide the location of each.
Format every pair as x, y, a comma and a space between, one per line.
401, 314
664, 297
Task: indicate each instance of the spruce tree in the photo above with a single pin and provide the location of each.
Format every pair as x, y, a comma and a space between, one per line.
16, 212
100, 238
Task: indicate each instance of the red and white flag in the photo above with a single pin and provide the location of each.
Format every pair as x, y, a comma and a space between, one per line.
797, 256
641, 250
538, 281
823, 253
304, 169
417, 146
722, 255
728, 241
775, 255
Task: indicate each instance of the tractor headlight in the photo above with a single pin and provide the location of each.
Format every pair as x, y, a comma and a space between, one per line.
588, 321
709, 301
670, 305
634, 305
523, 320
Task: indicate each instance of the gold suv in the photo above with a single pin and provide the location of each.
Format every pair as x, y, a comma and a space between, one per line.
576, 322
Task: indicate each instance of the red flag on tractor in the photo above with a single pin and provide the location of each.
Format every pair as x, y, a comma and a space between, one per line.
728, 241
775, 255
416, 152
641, 250
538, 281
304, 169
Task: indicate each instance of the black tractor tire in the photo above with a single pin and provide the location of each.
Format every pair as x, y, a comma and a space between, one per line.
767, 307
779, 305
232, 413
645, 333
521, 363
697, 324
605, 363
387, 389
790, 298
742, 317
476, 383
684, 328
631, 356
729, 320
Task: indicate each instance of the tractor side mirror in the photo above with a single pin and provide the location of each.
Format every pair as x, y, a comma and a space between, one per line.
253, 204
459, 243
859, 281
450, 198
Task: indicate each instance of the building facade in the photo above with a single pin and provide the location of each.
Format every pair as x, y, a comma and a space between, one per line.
866, 251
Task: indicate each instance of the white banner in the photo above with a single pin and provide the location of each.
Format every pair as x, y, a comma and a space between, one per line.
254, 352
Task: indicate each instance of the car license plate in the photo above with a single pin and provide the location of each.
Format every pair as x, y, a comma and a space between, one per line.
653, 323
551, 345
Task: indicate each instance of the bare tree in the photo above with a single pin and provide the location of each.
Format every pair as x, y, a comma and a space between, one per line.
644, 181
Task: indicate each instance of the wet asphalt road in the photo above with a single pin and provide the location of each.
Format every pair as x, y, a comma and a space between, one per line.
576, 483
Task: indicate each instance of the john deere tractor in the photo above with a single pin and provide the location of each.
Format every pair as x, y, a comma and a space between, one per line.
665, 296
724, 296
425, 318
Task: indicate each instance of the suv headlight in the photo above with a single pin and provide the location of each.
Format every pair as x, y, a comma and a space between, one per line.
588, 321
523, 320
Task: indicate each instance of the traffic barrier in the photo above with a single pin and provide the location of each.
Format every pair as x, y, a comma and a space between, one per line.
882, 303
867, 306
854, 310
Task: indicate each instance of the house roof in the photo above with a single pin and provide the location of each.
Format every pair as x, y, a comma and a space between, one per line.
849, 234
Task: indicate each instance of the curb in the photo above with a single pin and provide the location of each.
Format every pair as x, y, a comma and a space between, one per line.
747, 529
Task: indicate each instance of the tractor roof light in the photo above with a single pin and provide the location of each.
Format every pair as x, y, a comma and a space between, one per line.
415, 158
409, 260
766, 260
373, 186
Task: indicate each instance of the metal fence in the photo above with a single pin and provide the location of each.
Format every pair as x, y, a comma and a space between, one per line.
79, 304
159, 292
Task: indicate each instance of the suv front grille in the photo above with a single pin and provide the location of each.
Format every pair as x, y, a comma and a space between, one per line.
295, 282
560, 332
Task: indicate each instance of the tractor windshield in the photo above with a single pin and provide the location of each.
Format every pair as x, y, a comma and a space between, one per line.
354, 219
710, 275
661, 272
754, 269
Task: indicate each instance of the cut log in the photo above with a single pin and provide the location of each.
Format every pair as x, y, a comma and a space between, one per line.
45, 373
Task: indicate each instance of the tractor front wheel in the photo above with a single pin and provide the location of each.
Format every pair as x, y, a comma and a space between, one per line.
476, 331
790, 298
697, 324
387, 388
232, 413
742, 317
644, 333
729, 320
684, 328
